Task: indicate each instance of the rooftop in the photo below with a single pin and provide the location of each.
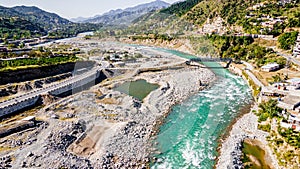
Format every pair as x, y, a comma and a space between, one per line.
291, 99
270, 65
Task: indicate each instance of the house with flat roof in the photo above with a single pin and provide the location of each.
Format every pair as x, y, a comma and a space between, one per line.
289, 102
296, 51
270, 67
294, 82
292, 120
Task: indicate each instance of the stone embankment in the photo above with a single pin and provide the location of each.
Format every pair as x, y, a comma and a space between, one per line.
237, 154
41, 72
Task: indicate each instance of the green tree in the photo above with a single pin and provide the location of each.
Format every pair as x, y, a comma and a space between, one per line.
287, 40
270, 108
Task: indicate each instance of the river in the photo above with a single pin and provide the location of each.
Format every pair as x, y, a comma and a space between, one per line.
189, 137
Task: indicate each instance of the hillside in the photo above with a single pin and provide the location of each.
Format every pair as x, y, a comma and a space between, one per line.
36, 15
180, 8
19, 28
26, 22
126, 16
221, 16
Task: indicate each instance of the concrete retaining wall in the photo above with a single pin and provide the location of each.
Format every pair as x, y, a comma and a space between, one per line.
70, 86
31, 101
18, 106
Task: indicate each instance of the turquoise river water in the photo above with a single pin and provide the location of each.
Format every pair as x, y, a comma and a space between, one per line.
189, 137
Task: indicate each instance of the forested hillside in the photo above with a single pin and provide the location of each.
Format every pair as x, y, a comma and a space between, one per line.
16, 28
27, 22
181, 8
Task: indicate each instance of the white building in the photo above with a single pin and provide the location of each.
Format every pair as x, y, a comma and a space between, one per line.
296, 51
289, 102
270, 67
293, 121
294, 82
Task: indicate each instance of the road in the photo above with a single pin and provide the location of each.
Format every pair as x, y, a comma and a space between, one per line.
47, 89
248, 70
290, 58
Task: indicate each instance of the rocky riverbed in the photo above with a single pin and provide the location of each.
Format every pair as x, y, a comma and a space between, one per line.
245, 127
101, 127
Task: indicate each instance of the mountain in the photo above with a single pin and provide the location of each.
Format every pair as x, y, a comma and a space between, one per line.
79, 19
49, 20
14, 25
126, 16
35, 15
202, 16
19, 28
26, 22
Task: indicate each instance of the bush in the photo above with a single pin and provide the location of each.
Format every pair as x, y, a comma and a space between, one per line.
287, 40
263, 117
269, 109
266, 128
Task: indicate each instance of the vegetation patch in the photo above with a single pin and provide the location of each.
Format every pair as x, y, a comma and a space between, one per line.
15, 64
266, 128
287, 40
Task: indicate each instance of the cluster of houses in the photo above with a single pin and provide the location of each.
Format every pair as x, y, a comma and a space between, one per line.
266, 21
27, 44
296, 51
119, 56
214, 26
284, 2
263, 4
288, 95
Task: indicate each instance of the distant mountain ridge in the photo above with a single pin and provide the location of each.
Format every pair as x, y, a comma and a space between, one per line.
125, 16
48, 19
35, 15
29, 21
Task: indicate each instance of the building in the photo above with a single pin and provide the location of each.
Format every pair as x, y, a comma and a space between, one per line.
289, 102
294, 82
214, 26
293, 121
296, 51
270, 67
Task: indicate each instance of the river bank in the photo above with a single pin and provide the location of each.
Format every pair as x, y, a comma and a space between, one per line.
104, 128
246, 123
245, 126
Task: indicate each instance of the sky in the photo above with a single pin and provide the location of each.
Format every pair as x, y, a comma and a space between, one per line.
77, 8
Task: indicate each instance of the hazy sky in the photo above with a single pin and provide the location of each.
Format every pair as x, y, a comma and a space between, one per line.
75, 8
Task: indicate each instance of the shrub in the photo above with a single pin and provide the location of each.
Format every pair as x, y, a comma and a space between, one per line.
266, 128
